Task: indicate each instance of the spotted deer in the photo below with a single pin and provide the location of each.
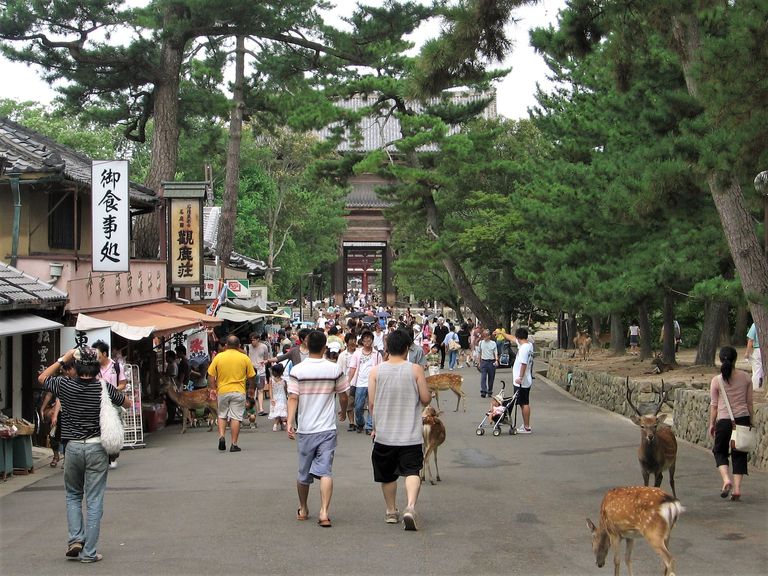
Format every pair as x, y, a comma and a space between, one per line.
447, 381
658, 445
583, 345
433, 431
192, 400
630, 512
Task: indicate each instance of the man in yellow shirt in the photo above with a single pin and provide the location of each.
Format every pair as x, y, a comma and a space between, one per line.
228, 374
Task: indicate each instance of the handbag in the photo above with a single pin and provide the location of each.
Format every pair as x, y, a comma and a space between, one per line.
743, 438
453, 345
112, 435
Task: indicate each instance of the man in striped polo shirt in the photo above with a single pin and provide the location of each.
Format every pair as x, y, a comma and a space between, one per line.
312, 386
86, 463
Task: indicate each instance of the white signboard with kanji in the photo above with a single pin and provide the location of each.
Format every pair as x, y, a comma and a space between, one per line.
111, 218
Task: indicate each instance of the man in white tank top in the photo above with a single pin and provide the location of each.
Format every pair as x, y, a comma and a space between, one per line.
397, 391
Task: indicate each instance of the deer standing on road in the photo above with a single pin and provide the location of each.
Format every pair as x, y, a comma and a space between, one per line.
628, 512
433, 431
447, 381
658, 445
192, 400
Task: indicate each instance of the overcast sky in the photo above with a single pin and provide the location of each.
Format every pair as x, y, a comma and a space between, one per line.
515, 92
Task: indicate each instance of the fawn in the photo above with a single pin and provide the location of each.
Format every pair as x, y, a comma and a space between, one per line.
433, 430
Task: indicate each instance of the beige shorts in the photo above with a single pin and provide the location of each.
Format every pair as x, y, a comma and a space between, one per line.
231, 406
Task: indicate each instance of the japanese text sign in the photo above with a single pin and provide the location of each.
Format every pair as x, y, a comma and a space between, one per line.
110, 216
186, 242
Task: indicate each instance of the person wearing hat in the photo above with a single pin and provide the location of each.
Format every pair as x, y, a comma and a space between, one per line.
87, 463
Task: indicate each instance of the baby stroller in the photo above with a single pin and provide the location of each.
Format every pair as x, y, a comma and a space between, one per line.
507, 417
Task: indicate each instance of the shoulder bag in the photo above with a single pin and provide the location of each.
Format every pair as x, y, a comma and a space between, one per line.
743, 438
111, 423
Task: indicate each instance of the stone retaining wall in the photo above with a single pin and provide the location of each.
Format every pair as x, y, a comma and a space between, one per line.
689, 406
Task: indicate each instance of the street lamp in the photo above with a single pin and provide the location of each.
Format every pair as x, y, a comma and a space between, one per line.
761, 185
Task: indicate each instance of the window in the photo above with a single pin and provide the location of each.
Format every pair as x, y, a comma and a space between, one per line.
61, 221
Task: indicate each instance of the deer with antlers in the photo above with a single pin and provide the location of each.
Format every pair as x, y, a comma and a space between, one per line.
658, 445
192, 400
447, 381
433, 430
628, 512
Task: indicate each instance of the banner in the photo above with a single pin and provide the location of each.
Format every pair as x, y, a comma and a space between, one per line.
186, 262
110, 216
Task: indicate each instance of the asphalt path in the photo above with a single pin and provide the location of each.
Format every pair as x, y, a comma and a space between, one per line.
506, 505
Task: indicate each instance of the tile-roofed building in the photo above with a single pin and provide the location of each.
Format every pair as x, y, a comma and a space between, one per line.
20, 291
380, 132
211, 219
30, 155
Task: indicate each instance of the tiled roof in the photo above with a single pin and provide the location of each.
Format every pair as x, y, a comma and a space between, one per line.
363, 195
25, 151
21, 291
380, 132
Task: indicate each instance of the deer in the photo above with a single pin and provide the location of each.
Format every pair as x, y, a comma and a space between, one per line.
631, 511
583, 344
447, 381
603, 339
433, 431
658, 445
192, 400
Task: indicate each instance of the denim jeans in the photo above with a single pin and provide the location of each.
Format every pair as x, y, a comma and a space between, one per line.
361, 403
85, 473
487, 376
453, 355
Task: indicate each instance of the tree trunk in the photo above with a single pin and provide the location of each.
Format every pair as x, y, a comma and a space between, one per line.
741, 325
715, 316
668, 333
573, 329
618, 345
596, 322
150, 229
456, 272
228, 219
749, 257
646, 347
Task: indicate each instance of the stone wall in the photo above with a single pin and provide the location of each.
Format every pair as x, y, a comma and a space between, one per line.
689, 406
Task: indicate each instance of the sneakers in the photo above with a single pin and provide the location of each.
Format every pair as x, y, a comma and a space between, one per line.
222, 444
113, 464
409, 519
392, 517
275, 427
523, 430
234, 448
97, 558
74, 549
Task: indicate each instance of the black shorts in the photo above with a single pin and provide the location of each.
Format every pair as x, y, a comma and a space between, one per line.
523, 396
390, 462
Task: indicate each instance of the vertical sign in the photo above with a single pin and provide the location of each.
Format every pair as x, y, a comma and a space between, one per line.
186, 242
111, 219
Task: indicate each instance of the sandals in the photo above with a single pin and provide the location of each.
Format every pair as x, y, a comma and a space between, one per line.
324, 523
55, 461
726, 490
735, 497
301, 517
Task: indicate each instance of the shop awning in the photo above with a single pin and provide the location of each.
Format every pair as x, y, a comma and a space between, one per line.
238, 315
160, 319
25, 323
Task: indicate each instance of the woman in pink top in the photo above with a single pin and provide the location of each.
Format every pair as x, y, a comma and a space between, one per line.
738, 388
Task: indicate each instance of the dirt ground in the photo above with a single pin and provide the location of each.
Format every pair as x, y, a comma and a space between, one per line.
685, 373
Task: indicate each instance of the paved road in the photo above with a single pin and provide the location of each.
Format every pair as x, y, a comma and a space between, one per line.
508, 505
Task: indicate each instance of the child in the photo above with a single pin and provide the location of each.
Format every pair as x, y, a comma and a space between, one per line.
250, 411
496, 410
278, 409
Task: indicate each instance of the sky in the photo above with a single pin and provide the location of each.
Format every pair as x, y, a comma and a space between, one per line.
515, 93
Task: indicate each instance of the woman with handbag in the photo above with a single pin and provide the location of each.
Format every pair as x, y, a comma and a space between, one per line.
730, 405
452, 346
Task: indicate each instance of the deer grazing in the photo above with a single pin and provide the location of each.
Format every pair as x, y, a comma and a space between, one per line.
658, 445
433, 431
583, 344
628, 512
604, 339
447, 381
192, 400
